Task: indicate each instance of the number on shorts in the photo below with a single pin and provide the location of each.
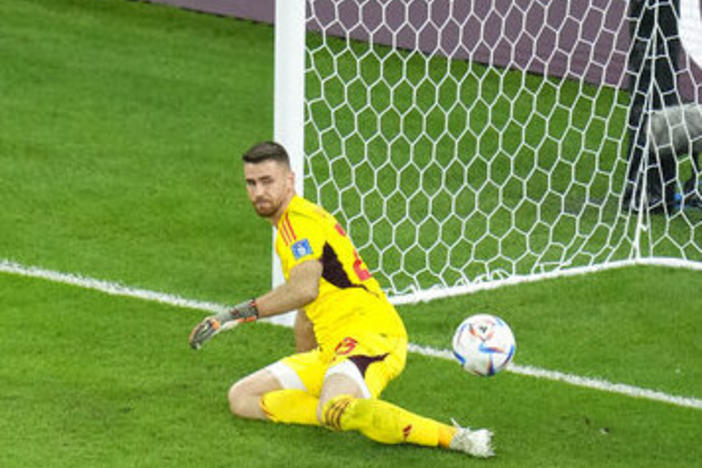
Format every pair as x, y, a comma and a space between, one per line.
345, 346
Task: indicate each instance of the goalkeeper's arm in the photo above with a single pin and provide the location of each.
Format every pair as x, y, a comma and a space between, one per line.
305, 339
300, 289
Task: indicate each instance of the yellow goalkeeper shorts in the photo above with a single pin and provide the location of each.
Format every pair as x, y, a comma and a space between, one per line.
372, 359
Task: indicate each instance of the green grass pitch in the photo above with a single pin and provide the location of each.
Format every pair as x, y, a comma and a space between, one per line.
121, 126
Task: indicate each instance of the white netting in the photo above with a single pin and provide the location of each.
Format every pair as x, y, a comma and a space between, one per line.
473, 141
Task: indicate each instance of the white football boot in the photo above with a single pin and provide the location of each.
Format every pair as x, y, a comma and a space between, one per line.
475, 443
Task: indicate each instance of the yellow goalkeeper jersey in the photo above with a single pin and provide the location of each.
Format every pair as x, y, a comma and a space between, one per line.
349, 298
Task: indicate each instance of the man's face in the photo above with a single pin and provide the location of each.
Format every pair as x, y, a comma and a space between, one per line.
270, 186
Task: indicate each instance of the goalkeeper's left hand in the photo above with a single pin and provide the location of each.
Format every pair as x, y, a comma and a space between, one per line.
209, 327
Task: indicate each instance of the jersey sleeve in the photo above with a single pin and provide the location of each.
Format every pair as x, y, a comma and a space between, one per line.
300, 238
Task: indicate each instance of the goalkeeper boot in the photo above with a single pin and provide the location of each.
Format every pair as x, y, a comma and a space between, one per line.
475, 443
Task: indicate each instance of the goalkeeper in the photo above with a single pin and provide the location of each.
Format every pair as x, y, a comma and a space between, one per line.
358, 342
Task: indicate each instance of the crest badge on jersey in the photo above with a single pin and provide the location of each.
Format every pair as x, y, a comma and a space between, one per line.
301, 248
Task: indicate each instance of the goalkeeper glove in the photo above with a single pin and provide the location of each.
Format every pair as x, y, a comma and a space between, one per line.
209, 327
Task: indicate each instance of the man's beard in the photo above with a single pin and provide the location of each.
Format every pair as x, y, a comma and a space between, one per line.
266, 210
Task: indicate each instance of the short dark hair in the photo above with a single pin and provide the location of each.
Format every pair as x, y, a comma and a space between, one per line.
266, 151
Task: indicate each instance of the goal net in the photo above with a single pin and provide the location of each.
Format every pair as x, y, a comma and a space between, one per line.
465, 144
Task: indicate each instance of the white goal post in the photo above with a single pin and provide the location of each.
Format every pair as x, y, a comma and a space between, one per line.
471, 144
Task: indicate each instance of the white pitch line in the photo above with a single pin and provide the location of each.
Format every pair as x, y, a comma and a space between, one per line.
117, 289
578, 381
108, 287
599, 384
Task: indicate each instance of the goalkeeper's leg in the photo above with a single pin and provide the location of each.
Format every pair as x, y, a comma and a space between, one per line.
384, 422
389, 424
261, 396
284, 392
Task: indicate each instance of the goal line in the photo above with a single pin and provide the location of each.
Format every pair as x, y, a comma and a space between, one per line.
438, 293
118, 289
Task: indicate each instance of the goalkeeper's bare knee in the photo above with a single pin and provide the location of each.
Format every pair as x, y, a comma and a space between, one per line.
240, 400
245, 395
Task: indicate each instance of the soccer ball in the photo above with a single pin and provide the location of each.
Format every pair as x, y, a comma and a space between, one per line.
484, 344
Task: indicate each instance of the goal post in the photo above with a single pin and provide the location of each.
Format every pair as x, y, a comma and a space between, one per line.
288, 98
470, 144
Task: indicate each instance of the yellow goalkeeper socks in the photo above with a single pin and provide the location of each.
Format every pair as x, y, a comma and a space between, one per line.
376, 419
384, 422
290, 407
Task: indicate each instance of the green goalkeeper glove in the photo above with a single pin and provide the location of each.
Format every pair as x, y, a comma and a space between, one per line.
209, 327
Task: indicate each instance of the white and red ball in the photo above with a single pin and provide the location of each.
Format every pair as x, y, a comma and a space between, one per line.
484, 344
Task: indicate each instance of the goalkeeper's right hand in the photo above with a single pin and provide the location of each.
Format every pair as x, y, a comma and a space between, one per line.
204, 331
209, 327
